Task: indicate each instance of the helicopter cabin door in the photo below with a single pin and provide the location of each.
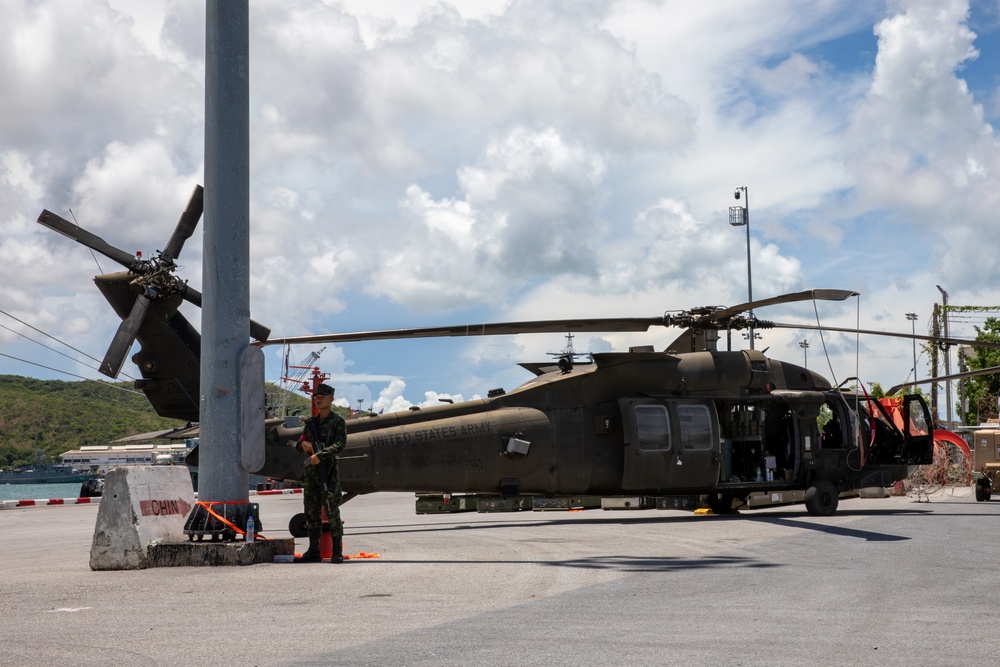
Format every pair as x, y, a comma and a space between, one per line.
670, 444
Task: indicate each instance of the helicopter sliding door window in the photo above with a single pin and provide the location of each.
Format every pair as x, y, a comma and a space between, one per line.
648, 458
695, 423
652, 427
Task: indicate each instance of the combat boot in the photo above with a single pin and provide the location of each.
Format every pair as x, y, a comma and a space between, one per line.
337, 556
312, 553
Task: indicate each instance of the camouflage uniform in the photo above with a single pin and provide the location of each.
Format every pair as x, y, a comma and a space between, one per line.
332, 432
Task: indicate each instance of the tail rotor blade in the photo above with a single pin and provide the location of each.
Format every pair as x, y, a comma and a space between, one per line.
80, 235
185, 225
114, 359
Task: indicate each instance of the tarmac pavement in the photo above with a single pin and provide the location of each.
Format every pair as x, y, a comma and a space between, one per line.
883, 582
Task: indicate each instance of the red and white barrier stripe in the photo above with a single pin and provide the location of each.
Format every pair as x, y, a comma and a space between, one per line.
275, 492
11, 504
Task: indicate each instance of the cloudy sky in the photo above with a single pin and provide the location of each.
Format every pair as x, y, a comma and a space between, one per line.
420, 163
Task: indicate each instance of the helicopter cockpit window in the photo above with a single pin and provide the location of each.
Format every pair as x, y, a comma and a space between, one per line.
831, 426
653, 426
695, 427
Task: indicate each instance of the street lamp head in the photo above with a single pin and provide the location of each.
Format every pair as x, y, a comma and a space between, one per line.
737, 194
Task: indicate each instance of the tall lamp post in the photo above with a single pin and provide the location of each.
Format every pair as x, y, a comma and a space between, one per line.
947, 358
913, 329
804, 344
739, 216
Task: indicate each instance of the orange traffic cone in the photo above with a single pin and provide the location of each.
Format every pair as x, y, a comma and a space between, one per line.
325, 542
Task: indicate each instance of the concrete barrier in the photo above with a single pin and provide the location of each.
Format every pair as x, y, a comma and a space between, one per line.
141, 505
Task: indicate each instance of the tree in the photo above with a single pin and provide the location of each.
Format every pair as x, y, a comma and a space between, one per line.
982, 391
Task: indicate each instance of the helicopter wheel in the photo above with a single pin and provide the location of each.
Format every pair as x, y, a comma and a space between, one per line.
299, 526
721, 505
982, 493
822, 498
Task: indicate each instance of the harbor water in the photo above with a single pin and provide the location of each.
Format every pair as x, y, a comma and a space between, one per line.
39, 491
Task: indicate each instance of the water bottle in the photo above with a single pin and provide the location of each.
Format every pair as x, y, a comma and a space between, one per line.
250, 528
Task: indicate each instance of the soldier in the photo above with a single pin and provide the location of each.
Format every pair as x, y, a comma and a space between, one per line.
324, 436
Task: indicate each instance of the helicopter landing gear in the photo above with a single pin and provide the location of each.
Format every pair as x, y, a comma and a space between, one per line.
299, 526
721, 503
822, 498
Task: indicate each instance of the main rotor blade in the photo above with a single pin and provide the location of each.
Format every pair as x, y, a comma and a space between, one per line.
808, 295
551, 326
80, 235
945, 378
257, 330
185, 225
494, 329
114, 359
892, 334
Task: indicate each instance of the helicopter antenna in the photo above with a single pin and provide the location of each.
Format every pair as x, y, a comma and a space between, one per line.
569, 352
569, 344
567, 357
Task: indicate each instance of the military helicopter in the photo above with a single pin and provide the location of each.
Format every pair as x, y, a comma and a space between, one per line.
688, 421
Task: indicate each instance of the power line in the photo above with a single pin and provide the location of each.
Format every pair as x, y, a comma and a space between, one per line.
47, 347
109, 384
34, 328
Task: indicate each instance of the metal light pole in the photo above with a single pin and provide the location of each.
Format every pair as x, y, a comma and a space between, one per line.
739, 216
232, 372
804, 344
913, 329
947, 357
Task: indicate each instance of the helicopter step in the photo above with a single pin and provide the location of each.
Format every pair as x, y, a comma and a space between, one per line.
501, 504
684, 503
445, 503
628, 503
542, 503
774, 498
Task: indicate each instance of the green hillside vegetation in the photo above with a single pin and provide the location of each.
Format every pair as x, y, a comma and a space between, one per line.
55, 416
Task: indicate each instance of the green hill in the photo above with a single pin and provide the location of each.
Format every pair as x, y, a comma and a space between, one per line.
55, 416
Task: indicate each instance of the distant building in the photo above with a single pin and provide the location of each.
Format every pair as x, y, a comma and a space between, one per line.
102, 458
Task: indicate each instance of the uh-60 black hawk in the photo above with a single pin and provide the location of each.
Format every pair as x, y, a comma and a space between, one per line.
691, 421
